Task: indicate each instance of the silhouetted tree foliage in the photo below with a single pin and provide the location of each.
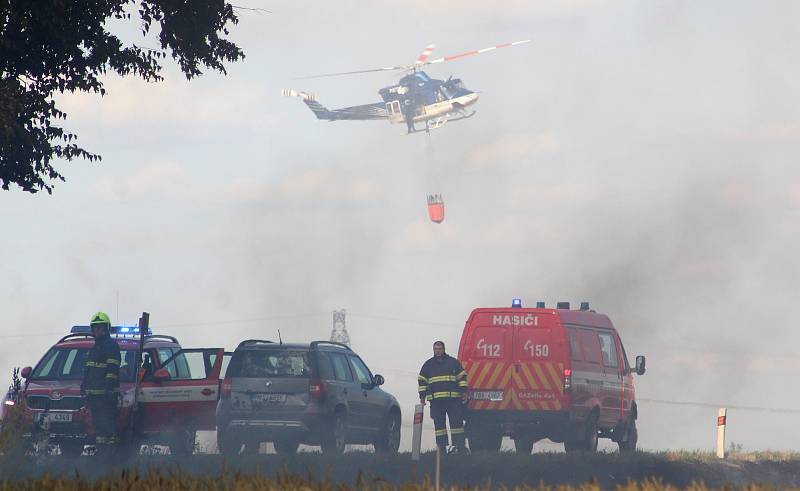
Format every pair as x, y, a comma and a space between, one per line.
56, 46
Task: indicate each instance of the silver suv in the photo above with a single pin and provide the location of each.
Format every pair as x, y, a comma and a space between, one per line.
320, 393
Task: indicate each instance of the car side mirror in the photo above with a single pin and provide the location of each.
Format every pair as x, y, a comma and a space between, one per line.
26, 372
161, 375
378, 380
640, 365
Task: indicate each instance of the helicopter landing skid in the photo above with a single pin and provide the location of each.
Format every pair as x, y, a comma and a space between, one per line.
463, 115
437, 123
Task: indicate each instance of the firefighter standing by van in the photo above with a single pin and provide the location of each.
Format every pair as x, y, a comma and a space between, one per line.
443, 381
101, 383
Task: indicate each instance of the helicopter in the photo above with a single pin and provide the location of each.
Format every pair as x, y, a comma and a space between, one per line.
416, 98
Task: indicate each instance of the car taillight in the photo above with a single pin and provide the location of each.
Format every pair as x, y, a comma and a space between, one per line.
225, 390
316, 389
567, 380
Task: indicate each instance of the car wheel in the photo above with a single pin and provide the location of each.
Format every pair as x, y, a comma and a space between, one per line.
335, 441
523, 443
286, 446
389, 441
632, 438
182, 442
71, 449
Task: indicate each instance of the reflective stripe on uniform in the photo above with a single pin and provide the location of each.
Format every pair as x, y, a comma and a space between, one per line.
456, 431
461, 375
462, 383
95, 392
423, 388
442, 378
113, 361
96, 364
422, 379
441, 432
443, 395
111, 375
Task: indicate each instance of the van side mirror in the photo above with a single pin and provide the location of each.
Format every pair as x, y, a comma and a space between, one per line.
161, 375
640, 365
378, 380
26, 372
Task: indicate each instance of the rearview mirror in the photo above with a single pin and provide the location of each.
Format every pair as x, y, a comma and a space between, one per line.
640, 365
378, 379
26, 372
161, 375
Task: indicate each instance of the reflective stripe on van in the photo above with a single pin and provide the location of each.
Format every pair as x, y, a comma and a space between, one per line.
529, 386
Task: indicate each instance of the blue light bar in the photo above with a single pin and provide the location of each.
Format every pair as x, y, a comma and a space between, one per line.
516, 303
119, 330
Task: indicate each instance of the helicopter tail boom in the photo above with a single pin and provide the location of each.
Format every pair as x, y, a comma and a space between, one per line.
320, 111
363, 112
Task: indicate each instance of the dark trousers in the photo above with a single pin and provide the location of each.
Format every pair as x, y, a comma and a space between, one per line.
452, 409
104, 417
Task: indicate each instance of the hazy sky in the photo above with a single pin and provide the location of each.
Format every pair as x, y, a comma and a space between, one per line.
638, 155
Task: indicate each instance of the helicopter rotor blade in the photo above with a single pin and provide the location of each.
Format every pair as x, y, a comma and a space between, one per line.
476, 52
426, 53
384, 69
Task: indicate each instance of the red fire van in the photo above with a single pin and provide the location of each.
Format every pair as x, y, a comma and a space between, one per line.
536, 373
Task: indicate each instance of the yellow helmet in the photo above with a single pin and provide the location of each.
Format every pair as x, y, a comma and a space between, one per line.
100, 318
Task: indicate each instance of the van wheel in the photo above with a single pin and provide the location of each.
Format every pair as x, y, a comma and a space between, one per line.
485, 440
523, 443
589, 441
286, 446
336, 439
182, 442
389, 440
629, 445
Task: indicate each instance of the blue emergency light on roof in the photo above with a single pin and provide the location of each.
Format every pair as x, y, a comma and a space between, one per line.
562, 305
540, 305
119, 330
516, 303
584, 305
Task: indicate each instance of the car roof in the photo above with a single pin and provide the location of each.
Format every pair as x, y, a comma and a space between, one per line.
261, 344
87, 341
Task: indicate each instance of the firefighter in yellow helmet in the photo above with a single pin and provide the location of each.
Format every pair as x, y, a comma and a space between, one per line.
101, 383
443, 381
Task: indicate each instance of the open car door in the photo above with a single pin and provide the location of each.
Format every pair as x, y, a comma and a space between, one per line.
184, 391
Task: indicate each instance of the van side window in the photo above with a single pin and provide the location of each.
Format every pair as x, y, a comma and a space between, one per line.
609, 349
625, 363
591, 346
574, 345
341, 369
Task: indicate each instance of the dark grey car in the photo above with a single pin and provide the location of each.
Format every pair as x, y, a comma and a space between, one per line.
320, 393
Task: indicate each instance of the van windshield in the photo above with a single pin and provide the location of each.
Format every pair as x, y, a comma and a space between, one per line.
68, 364
270, 363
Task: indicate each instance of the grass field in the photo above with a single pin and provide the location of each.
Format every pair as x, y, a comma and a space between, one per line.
646, 471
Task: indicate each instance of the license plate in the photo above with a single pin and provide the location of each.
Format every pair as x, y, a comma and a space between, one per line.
487, 395
54, 417
269, 398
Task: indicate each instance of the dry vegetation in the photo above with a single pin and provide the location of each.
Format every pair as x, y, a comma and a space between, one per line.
134, 481
642, 471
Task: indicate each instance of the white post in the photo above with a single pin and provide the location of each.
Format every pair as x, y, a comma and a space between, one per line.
721, 421
416, 439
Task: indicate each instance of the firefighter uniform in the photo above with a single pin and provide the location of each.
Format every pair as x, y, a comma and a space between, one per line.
101, 384
443, 382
